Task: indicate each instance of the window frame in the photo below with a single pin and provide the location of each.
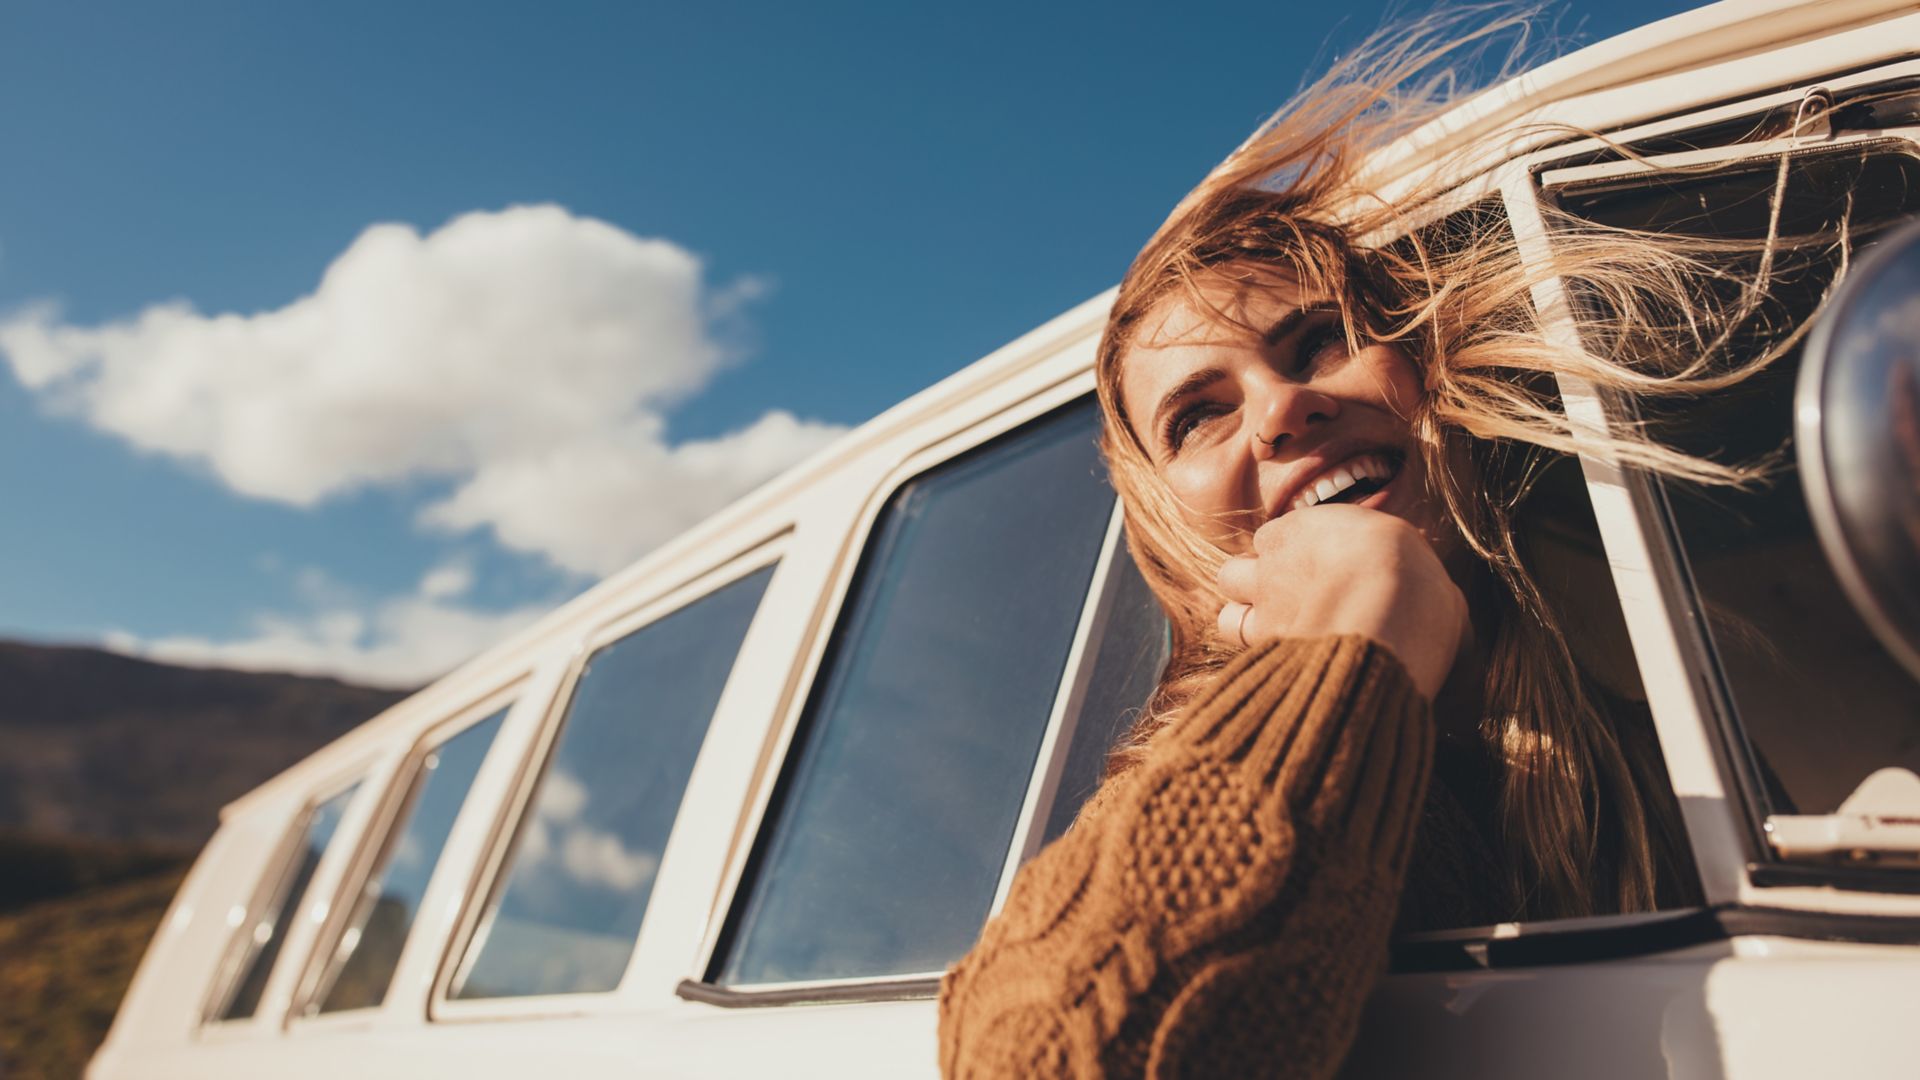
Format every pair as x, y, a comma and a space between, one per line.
370, 771
1747, 815
966, 433
376, 842
765, 548
1642, 576
1694, 746
1069, 699
1691, 757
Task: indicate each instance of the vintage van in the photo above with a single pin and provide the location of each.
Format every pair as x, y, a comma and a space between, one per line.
731, 812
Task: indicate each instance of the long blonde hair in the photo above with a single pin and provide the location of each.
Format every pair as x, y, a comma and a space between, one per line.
1582, 812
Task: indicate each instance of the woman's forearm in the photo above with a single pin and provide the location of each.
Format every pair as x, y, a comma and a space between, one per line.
1222, 908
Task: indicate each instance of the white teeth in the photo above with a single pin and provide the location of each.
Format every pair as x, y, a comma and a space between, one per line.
1340, 478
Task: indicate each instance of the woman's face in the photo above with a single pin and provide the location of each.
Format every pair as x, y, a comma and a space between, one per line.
1244, 426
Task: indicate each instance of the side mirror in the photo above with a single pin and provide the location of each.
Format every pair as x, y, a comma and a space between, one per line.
1857, 430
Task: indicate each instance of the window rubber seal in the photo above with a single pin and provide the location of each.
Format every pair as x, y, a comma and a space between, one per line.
1463, 950
1645, 937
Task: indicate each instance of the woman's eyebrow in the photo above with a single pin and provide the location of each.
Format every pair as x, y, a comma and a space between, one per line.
1192, 384
1292, 320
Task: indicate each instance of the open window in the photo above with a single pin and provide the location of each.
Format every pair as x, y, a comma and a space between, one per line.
1810, 701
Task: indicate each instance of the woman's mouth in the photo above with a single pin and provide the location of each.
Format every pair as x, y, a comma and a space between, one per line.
1348, 482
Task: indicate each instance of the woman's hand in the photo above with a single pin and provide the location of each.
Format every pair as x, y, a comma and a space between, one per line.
1347, 570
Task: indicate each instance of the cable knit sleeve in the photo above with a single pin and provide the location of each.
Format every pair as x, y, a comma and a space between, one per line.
1223, 908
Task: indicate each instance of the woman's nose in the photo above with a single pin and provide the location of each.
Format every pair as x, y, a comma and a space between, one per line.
1286, 411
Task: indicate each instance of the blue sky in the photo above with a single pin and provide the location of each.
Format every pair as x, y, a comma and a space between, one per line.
826, 207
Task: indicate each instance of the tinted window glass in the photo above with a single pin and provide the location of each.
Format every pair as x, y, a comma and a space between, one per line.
268, 930
887, 835
1821, 703
361, 968
578, 881
1128, 655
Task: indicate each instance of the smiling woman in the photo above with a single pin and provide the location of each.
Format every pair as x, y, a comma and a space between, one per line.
1385, 684
1228, 410
1321, 448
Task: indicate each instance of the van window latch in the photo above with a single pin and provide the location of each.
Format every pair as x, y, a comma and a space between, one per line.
1879, 824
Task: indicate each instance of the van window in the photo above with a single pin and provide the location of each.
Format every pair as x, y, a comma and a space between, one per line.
1128, 655
576, 885
1821, 703
891, 823
369, 945
266, 931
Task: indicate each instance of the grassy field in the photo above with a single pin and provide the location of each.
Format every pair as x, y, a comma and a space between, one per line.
65, 960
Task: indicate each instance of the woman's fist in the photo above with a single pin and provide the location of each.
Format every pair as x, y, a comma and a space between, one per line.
1347, 570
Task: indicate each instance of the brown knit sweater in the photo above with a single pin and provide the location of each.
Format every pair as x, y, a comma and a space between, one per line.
1223, 908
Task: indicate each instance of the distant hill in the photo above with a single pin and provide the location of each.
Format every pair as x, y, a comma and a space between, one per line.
64, 966
101, 745
38, 867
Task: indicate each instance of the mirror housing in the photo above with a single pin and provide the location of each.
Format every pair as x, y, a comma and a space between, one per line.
1857, 437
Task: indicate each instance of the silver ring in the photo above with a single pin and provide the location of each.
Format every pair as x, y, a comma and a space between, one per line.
1239, 627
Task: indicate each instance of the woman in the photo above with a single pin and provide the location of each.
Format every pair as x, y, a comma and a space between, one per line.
1370, 719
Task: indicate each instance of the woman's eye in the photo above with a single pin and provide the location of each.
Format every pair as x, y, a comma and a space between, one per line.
1185, 422
1318, 343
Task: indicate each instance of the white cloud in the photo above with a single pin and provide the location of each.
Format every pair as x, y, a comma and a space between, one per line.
563, 796
398, 641
597, 857
587, 855
593, 505
447, 582
528, 356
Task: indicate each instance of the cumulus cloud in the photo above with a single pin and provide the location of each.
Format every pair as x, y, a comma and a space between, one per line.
593, 504
526, 357
586, 854
445, 582
397, 641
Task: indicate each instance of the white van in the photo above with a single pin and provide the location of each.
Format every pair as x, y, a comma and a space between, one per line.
733, 811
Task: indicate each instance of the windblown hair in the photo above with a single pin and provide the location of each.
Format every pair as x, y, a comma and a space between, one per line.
1583, 815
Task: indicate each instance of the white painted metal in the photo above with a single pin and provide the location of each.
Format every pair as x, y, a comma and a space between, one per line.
1681, 712
1766, 1008
1752, 1007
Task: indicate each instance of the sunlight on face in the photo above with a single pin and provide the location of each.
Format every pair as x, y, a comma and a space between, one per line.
1275, 415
